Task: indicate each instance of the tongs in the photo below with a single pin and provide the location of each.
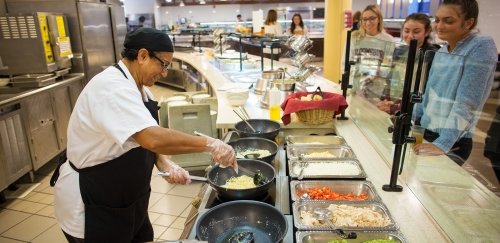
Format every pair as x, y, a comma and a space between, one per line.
318, 92
242, 113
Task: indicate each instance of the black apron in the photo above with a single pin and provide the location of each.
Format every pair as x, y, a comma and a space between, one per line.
116, 194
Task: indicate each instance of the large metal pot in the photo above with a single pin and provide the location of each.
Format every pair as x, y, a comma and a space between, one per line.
246, 144
218, 224
261, 85
218, 176
273, 74
265, 128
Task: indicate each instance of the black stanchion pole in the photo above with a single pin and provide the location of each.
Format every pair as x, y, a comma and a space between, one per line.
344, 83
403, 122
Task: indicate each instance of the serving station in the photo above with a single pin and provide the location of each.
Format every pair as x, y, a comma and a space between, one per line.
416, 214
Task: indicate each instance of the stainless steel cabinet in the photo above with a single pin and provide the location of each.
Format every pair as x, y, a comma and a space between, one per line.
61, 100
14, 151
41, 128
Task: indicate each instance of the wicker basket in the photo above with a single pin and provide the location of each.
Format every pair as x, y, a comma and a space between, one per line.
315, 116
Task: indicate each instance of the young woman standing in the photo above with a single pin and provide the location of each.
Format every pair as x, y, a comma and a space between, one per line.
459, 82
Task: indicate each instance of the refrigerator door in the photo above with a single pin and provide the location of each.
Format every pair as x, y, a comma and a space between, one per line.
95, 26
119, 28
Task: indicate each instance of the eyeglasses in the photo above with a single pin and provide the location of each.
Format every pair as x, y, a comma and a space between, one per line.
165, 66
370, 19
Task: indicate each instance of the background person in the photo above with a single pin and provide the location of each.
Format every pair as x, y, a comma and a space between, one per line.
355, 20
297, 27
459, 82
271, 25
372, 24
102, 191
416, 26
239, 18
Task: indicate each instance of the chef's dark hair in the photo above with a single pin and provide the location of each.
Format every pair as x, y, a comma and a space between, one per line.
469, 8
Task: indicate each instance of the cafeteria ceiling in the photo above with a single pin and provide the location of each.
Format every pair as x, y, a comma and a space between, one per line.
218, 2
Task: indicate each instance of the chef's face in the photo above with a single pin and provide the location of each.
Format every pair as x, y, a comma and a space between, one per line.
414, 29
450, 25
370, 22
155, 66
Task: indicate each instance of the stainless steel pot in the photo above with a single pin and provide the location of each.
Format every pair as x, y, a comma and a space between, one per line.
273, 74
261, 85
264, 102
285, 86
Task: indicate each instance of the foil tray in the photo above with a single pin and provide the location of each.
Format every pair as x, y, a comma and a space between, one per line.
294, 167
339, 152
327, 236
356, 188
315, 140
309, 206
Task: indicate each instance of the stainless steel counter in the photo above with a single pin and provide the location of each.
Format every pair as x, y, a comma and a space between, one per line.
10, 95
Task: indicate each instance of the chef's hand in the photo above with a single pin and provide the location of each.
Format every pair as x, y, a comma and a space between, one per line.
222, 153
427, 149
178, 175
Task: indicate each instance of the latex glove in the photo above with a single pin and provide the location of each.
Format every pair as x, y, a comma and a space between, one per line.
222, 153
178, 175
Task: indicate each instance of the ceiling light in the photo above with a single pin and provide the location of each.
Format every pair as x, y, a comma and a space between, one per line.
169, 1
182, 4
202, 2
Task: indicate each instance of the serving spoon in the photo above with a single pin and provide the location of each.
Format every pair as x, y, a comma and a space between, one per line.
325, 215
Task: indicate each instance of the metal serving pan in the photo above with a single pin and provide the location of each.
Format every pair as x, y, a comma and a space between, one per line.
327, 169
355, 188
339, 152
309, 206
325, 237
315, 140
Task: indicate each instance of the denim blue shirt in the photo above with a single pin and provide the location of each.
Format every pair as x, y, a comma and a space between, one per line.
459, 84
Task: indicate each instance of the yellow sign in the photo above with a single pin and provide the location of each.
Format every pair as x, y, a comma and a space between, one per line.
60, 26
44, 30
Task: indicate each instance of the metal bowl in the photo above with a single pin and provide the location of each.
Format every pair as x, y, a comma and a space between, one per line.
273, 74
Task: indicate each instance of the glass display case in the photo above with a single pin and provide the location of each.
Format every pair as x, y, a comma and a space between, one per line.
313, 25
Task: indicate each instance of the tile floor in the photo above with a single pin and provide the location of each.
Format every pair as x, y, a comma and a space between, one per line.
31, 219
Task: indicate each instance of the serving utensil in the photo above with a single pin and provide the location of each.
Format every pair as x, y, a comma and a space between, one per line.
325, 215
193, 178
241, 113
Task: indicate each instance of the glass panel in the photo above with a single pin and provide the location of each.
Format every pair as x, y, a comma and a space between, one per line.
459, 104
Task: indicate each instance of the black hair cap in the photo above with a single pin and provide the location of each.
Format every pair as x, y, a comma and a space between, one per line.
148, 38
